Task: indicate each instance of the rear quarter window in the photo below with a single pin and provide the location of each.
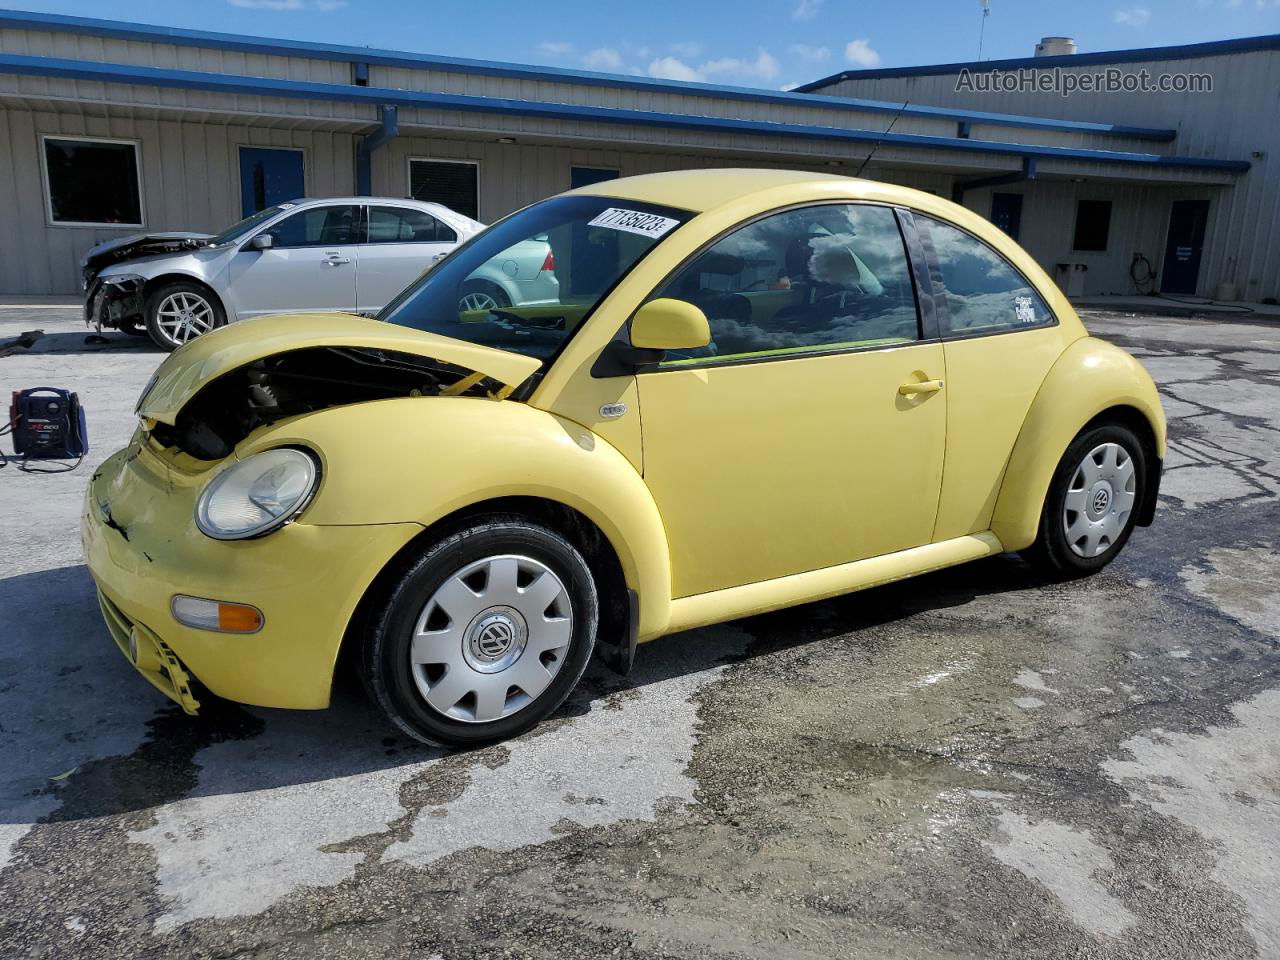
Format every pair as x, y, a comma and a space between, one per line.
983, 293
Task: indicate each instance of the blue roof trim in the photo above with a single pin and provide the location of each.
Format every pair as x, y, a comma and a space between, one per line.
1185, 51
324, 51
377, 96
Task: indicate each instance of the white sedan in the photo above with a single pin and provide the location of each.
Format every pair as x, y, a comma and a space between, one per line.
351, 254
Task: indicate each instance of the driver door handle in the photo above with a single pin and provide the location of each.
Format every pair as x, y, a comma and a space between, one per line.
334, 260
915, 389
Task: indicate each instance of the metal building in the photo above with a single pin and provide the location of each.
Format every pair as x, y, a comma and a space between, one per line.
110, 128
1208, 239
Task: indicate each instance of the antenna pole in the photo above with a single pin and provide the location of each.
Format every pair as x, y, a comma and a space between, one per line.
982, 32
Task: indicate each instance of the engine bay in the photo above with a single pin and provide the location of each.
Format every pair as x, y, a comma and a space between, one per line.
285, 385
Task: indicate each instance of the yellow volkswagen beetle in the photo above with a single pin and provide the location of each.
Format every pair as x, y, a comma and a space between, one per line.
759, 388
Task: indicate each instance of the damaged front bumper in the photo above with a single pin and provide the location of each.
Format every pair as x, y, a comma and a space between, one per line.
142, 548
114, 302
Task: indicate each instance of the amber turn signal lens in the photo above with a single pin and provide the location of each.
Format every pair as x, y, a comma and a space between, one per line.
217, 615
239, 618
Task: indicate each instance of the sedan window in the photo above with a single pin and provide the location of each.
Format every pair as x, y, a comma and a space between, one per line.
317, 227
830, 277
407, 225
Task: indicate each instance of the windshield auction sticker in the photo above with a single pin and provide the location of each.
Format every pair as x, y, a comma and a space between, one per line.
633, 221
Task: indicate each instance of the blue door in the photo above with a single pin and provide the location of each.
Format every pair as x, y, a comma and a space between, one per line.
1006, 212
269, 176
1181, 273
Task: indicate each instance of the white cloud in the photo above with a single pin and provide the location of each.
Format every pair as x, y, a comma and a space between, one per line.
807, 9
687, 49
1135, 17
603, 58
860, 53
788, 87
669, 68
555, 48
806, 52
764, 67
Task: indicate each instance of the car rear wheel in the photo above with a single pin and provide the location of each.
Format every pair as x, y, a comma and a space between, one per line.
1093, 502
482, 295
484, 635
179, 312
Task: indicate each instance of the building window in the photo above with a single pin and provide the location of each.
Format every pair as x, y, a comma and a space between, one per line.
586, 176
1093, 224
93, 182
1006, 212
451, 183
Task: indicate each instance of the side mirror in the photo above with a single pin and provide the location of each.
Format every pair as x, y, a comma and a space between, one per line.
669, 325
262, 241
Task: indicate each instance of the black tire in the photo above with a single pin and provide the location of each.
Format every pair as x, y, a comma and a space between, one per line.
1052, 554
483, 288
132, 328
386, 668
159, 335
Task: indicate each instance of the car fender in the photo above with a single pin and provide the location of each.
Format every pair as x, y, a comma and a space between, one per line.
422, 459
1090, 377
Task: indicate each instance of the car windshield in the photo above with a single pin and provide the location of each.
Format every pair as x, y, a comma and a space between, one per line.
527, 283
238, 230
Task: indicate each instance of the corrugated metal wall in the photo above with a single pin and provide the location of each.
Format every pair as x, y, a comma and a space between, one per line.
163, 55
190, 181
1236, 120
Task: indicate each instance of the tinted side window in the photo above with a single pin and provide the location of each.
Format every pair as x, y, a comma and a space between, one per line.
982, 291
317, 227
406, 225
828, 277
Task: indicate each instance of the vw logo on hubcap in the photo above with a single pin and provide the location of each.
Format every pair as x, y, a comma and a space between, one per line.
495, 639
1101, 500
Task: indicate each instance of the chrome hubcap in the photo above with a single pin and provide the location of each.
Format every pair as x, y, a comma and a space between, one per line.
183, 316
1099, 500
491, 638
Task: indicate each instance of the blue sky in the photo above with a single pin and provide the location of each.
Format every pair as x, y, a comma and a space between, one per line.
760, 43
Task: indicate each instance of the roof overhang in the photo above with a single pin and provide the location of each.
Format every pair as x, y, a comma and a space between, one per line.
375, 97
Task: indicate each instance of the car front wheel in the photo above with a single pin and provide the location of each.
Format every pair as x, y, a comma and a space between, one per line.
1093, 501
179, 312
484, 635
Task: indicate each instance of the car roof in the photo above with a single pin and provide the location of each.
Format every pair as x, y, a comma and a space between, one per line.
702, 190
438, 209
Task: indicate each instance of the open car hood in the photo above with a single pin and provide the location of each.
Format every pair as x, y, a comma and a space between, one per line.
138, 245
206, 358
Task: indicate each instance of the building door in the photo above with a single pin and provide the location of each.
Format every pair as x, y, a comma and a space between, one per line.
269, 176
1187, 220
1006, 212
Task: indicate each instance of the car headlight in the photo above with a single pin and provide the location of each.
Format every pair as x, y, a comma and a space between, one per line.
255, 496
124, 279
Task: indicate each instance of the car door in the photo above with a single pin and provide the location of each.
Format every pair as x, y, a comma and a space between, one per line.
399, 243
310, 265
1000, 339
807, 434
